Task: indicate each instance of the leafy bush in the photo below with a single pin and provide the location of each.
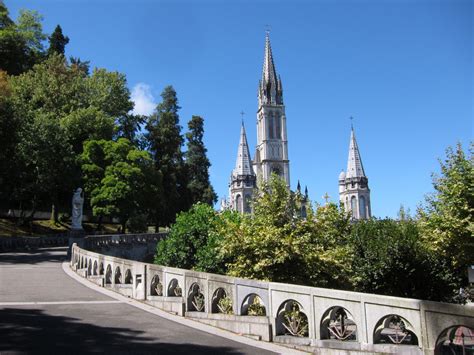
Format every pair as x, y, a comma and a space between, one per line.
225, 305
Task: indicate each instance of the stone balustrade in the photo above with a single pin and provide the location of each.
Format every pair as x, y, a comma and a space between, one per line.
335, 319
27, 243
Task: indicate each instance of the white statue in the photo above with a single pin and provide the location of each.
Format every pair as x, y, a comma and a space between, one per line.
77, 203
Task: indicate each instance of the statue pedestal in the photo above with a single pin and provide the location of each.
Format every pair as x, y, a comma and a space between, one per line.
76, 236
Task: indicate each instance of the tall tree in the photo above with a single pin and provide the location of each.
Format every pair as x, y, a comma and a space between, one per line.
116, 175
21, 43
197, 164
63, 108
57, 41
447, 218
165, 141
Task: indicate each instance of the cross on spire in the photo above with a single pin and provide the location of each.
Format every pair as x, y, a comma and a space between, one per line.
242, 113
351, 118
267, 29
326, 198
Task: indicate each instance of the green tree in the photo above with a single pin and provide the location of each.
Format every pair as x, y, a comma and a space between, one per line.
197, 164
188, 235
9, 129
67, 108
116, 175
447, 218
276, 244
389, 258
164, 140
21, 43
57, 41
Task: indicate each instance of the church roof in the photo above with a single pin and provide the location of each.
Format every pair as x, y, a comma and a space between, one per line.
269, 71
243, 164
354, 162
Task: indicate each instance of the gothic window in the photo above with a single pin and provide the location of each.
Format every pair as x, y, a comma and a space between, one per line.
278, 127
354, 206
248, 200
362, 207
238, 203
270, 126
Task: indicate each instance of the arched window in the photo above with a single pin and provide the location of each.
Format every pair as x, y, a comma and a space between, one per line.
278, 127
270, 126
354, 206
238, 203
247, 202
362, 213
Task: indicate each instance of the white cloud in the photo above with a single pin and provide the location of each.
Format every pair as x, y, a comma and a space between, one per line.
143, 99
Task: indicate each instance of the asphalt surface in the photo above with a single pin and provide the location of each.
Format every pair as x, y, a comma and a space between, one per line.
43, 310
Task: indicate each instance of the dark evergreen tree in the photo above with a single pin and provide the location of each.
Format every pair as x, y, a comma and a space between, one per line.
57, 41
164, 140
197, 164
77, 63
128, 126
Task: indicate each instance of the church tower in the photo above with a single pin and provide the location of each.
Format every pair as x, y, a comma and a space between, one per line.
271, 154
242, 180
354, 192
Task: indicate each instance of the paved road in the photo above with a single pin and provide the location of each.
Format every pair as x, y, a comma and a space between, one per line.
43, 310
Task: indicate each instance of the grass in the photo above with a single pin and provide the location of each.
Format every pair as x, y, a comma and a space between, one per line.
10, 228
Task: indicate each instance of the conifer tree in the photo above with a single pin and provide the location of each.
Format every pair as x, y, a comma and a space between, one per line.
57, 41
165, 141
197, 164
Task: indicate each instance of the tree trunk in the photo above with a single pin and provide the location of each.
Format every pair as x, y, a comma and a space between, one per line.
99, 223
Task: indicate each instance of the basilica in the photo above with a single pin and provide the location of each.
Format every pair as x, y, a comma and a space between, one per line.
271, 153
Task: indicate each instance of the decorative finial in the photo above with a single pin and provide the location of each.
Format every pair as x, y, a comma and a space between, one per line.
351, 118
242, 113
267, 29
326, 198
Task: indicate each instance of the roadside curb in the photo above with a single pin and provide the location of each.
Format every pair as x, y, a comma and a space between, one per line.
181, 320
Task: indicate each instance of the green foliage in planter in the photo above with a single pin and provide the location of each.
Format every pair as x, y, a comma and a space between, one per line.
256, 308
225, 305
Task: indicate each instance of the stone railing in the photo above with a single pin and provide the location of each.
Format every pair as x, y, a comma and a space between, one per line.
27, 243
129, 246
306, 317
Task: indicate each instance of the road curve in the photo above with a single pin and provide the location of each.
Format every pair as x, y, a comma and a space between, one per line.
43, 310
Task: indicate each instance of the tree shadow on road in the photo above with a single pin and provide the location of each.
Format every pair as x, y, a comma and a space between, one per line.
34, 331
35, 256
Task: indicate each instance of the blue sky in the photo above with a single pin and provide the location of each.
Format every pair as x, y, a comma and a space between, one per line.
403, 69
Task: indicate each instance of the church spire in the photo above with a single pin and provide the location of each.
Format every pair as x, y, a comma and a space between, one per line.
243, 164
270, 88
354, 162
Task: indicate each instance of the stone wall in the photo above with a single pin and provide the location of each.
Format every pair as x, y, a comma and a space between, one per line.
138, 247
27, 243
349, 321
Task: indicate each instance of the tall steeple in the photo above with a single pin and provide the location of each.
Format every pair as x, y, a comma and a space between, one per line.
270, 89
354, 192
242, 179
271, 154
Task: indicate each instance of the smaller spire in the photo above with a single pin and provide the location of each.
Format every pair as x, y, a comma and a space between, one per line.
306, 191
298, 187
354, 161
243, 165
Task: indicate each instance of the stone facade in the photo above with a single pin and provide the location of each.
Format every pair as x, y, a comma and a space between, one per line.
271, 154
